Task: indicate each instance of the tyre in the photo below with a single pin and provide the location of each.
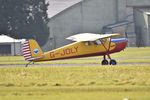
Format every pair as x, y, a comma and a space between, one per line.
113, 62
104, 62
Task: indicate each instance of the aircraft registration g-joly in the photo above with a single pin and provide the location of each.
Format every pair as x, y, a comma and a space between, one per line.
84, 45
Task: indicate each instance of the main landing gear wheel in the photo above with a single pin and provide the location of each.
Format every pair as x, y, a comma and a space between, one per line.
104, 62
113, 62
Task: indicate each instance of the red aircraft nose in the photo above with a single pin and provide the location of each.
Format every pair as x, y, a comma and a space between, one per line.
121, 44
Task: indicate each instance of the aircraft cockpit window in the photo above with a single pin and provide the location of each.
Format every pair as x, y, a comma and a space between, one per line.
87, 43
98, 42
109, 39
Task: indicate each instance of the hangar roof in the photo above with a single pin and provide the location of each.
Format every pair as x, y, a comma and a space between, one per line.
57, 6
7, 39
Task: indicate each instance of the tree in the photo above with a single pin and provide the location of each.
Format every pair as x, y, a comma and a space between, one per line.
24, 19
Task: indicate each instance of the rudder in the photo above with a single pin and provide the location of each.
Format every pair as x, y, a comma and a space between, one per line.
31, 50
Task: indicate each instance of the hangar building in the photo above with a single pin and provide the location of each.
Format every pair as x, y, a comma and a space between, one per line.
10, 46
69, 17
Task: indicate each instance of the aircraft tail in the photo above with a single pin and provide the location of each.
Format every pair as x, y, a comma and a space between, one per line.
31, 50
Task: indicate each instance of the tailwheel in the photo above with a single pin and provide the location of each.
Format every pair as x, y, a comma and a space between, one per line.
104, 62
113, 62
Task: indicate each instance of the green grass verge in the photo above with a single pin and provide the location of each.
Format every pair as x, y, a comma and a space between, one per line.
77, 83
129, 79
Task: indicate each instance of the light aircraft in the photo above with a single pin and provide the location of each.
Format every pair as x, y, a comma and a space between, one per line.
84, 45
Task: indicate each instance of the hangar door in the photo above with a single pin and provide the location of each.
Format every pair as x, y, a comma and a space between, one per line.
5, 49
148, 36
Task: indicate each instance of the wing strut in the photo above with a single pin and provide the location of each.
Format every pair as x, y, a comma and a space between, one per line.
107, 50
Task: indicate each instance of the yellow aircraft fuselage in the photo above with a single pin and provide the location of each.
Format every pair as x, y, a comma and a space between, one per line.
78, 49
101, 47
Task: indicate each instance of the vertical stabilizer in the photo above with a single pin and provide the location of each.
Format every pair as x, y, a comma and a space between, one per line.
31, 50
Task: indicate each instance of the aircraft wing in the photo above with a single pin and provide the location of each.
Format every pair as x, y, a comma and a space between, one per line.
90, 36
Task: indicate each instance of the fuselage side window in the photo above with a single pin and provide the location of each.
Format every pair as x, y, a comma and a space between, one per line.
88, 43
98, 42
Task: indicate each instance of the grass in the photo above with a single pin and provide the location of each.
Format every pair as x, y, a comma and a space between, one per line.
74, 76
81, 93
129, 79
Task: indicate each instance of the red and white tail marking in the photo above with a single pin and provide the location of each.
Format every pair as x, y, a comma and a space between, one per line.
26, 51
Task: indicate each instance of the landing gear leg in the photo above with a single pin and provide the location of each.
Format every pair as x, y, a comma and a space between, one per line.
112, 61
104, 62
